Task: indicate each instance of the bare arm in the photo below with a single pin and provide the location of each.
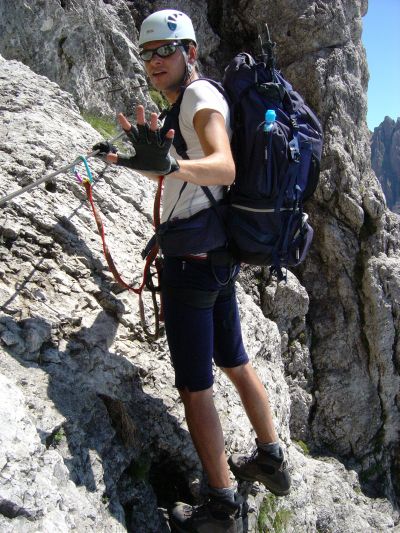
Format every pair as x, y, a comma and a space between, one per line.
217, 166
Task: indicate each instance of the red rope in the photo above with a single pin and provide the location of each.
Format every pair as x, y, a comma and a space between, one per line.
157, 202
149, 259
106, 251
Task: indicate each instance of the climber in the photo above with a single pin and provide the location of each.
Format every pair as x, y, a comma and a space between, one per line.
201, 313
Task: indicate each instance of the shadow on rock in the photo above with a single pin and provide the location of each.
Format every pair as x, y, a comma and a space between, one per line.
118, 442
110, 437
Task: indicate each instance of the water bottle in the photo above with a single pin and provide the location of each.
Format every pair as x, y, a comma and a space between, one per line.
270, 117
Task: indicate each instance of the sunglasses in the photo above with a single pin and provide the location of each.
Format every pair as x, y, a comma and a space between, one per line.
165, 50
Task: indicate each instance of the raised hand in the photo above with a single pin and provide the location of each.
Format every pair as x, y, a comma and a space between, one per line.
151, 148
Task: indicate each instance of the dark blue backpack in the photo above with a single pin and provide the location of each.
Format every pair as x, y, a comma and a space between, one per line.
276, 170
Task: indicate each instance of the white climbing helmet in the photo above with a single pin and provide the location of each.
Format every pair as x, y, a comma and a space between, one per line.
166, 25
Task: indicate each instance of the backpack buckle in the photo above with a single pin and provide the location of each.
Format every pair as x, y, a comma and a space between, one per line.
294, 149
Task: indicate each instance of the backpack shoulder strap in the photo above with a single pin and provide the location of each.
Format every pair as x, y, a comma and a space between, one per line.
172, 122
172, 117
218, 86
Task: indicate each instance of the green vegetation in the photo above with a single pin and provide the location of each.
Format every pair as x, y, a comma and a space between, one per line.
264, 517
302, 338
56, 437
158, 99
281, 520
106, 126
304, 447
270, 518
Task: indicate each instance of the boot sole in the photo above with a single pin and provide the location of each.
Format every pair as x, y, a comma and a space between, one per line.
177, 529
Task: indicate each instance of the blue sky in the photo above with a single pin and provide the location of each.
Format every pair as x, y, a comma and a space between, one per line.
381, 38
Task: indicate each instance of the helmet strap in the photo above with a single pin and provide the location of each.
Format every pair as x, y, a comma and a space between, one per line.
189, 68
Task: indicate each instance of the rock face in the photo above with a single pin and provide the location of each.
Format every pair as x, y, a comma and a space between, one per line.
356, 239
92, 400
92, 435
385, 160
88, 48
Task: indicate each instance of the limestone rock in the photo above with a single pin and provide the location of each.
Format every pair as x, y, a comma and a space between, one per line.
286, 303
385, 159
88, 47
75, 364
319, 49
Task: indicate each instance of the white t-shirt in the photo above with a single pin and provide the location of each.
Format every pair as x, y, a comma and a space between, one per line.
198, 95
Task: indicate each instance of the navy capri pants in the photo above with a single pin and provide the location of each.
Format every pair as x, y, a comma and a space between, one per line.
201, 320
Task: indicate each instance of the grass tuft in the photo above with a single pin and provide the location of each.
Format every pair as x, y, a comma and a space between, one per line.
106, 126
271, 519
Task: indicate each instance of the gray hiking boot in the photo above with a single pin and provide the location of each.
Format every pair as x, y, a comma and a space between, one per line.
263, 467
215, 516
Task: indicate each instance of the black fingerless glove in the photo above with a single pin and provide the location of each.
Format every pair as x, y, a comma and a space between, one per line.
152, 151
104, 147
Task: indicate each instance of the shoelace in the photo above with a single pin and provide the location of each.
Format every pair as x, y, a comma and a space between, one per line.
284, 465
189, 510
251, 457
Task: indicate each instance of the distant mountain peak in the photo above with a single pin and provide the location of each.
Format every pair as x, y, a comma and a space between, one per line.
385, 159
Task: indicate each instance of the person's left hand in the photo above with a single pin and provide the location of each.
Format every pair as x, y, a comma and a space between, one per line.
151, 148
104, 148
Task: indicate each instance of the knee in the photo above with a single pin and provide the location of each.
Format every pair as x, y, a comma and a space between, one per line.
237, 372
190, 398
